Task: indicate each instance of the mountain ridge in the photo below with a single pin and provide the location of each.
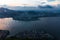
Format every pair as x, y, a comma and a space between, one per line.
29, 7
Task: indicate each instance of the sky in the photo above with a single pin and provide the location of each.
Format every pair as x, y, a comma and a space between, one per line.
28, 2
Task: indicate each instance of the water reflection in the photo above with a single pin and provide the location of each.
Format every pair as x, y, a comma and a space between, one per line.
16, 26
50, 24
4, 23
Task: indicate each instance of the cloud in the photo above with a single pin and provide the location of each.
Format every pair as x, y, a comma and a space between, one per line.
29, 2
19, 2
51, 0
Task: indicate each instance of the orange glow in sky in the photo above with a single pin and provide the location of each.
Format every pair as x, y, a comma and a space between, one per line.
54, 3
28, 2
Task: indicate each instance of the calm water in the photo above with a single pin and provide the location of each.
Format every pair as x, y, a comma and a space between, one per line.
50, 24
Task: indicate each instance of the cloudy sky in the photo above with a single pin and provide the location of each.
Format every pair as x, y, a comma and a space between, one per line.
28, 2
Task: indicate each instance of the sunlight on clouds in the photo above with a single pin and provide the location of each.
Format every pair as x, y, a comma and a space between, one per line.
28, 2
54, 3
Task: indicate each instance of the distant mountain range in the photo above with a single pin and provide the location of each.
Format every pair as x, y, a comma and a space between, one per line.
47, 6
30, 15
26, 8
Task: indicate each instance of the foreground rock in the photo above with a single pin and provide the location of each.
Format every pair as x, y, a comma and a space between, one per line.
3, 34
34, 35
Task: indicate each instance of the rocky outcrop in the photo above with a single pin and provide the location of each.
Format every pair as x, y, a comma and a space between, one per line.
3, 34
34, 35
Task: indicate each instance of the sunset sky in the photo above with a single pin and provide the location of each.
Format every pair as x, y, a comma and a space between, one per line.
28, 2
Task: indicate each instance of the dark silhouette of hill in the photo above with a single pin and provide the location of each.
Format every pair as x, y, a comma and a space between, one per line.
27, 15
4, 12
47, 6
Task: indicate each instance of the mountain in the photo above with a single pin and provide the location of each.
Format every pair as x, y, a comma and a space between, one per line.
23, 8
27, 8
46, 6
30, 15
18, 15
4, 12
33, 8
